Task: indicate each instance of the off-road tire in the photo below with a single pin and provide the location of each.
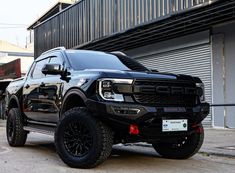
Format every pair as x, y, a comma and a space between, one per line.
100, 135
16, 135
182, 149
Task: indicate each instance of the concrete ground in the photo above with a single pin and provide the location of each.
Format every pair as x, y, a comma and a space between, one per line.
219, 142
39, 155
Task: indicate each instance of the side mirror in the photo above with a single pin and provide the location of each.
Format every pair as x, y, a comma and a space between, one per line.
52, 69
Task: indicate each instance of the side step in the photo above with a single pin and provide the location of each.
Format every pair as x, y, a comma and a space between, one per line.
48, 130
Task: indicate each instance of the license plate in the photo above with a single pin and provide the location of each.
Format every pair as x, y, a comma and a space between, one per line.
174, 125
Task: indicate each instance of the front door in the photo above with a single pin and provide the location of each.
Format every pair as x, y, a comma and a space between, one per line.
41, 93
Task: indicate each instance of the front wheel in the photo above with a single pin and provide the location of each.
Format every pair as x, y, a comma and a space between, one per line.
81, 140
184, 147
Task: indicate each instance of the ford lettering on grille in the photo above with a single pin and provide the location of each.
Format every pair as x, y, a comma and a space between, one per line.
175, 90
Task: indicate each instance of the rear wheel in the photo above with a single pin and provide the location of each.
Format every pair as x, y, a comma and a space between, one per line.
183, 148
81, 140
16, 135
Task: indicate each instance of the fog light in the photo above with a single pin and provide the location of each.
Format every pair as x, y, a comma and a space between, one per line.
108, 95
126, 110
134, 129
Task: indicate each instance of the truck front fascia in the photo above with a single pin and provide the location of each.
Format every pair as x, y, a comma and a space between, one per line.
135, 112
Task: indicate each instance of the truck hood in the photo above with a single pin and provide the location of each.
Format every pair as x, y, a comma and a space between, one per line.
138, 75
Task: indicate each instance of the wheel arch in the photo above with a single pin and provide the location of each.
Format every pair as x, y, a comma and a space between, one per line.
14, 102
73, 98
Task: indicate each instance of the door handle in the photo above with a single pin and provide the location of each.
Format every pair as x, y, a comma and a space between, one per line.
42, 84
27, 86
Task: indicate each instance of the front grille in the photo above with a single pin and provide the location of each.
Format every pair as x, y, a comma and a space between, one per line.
172, 100
165, 93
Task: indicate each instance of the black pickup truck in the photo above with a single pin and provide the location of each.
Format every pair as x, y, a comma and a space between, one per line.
91, 100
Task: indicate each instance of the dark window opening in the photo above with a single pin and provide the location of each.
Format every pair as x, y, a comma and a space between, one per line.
81, 60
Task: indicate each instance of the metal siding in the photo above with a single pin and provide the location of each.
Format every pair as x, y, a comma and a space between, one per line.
88, 20
195, 61
62, 29
91, 20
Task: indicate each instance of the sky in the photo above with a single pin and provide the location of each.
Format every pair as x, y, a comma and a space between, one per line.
17, 15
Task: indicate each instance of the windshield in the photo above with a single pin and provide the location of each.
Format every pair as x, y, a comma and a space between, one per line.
81, 60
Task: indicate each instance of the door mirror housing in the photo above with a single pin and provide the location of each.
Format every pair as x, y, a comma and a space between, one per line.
53, 69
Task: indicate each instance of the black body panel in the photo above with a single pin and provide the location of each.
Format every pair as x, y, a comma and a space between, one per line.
149, 98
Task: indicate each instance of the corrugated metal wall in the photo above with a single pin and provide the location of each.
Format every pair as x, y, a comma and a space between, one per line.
89, 20
195, 61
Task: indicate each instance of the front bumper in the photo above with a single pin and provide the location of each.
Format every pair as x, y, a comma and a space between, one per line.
149, 119
197, 113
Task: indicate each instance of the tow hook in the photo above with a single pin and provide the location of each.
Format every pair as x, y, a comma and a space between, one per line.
134, 129
198, 129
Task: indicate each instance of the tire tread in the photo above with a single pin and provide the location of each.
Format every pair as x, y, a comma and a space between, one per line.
106, 137
20, 136
181, 153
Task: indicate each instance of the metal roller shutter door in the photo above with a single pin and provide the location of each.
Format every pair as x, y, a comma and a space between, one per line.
195, 61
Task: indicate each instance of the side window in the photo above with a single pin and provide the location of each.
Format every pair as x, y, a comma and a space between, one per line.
31, 68
56, 60
37, 73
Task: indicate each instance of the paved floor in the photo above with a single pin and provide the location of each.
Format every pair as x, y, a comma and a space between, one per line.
39, 156
219, 142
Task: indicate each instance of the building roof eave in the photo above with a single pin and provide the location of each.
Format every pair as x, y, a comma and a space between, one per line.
192, 21
50, 12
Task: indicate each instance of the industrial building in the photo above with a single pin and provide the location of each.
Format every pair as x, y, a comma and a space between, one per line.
194, 37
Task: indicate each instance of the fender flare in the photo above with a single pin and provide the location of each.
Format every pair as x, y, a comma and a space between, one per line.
16, 99
13, 98
72, 91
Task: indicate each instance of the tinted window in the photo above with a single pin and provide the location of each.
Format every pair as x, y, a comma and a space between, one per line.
81, 60
37, 73
56, 60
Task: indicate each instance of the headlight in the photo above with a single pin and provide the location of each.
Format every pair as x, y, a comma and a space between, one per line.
106, 89
201, 91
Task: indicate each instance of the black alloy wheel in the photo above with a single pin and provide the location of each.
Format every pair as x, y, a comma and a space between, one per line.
77, 139
81, 140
